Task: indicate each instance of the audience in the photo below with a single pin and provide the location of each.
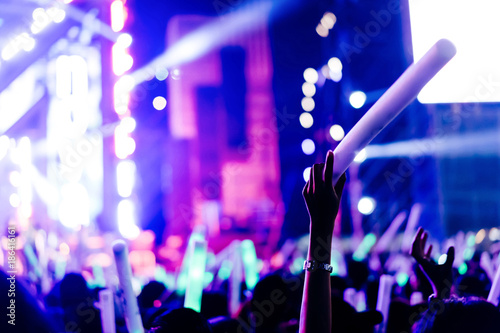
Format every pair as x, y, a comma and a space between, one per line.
427, 297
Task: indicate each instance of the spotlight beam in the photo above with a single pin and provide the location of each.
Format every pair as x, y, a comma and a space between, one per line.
476, 144
208, 37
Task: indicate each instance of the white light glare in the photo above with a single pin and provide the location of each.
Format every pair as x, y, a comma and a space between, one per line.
126, 219
308, 104
309, 89
337, 132
124, 40
308, 146
306, 120
366, 205
357, 99
335, 65
159, 103
361, 156
306, 174
311, 75
125, 178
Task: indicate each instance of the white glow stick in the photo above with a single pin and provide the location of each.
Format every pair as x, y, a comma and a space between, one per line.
416, 211
131, 309
389, 235
107, 307
235, 279
495, 289
392, 102
384, 300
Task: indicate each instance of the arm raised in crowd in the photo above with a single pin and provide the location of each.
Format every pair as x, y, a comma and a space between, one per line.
439, 276
322, 200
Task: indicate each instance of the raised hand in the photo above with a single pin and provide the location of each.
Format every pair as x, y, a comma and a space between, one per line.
321, 197
439, 276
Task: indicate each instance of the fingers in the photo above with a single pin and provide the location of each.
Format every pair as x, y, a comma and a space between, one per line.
450, 256
328, 170
339, 187
416, 244
428, 253
318, 175
311, 181
423, 241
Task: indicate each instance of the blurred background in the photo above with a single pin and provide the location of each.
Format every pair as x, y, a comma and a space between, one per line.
150, 120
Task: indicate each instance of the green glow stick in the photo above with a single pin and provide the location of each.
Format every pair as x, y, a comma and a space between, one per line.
249, 258
196, 274
364, 247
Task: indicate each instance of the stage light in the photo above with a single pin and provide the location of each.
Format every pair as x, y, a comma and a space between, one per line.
175, 74
366, 205
73, 210
4, 146
336, 77
64, 249
311, 75
306, 120
307, 104
306, 174
357, 99
337, 132
56, 14
322, 30
125, 213
125, 178
14, 200
309, 89
308, 146
117, 15
41, 20
15, 178
124, 144
335, 65
472, 26
124, 40
481, 234
494, 234
161, 74
122, 61
159, 103
361, 156
128, 124
329, 19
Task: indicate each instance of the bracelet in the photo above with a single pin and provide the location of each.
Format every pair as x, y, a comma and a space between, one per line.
313, 265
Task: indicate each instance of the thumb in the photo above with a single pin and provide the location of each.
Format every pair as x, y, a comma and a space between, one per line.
450, 256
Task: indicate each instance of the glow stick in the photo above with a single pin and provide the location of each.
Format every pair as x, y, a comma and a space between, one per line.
131, 309
98, 273
350, 296
196, 274
249, 258
107, 307
235, 280
384, 300
416, 298
392, 102
364, 247
32, 259
415, 212
495, 289
388, 236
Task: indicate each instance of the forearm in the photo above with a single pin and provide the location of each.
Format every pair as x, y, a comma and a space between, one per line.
315, 314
